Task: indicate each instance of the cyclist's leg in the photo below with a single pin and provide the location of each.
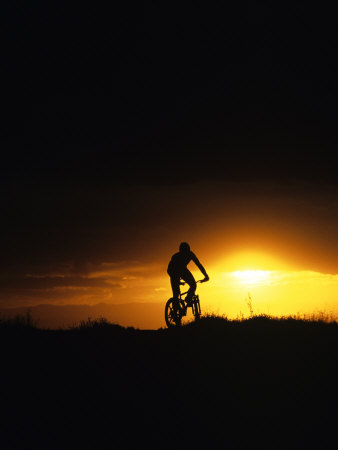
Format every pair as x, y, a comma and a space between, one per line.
175, 286
189, 278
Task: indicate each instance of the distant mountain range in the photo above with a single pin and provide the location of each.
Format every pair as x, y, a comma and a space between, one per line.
137, 315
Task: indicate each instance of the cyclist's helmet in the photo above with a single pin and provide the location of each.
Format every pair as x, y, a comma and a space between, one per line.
184, 247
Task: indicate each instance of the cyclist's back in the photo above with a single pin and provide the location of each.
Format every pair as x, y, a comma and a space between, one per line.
179, 262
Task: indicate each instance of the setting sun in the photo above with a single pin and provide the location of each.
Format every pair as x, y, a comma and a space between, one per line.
252, 277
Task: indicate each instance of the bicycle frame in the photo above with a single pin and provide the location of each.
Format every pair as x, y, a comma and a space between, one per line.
184, 293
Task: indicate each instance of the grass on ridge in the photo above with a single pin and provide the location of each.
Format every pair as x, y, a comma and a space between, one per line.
100, 323
20, 321
262, 320
26, 321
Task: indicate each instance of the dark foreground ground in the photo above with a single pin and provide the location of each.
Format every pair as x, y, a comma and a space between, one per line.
259, 383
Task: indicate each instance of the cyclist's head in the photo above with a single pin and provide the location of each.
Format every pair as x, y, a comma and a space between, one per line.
184, 247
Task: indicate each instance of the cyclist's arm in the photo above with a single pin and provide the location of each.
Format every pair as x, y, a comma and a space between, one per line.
199, 265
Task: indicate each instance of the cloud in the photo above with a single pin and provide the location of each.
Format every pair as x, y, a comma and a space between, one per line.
48, 282
304, 276
276, 278
116, 281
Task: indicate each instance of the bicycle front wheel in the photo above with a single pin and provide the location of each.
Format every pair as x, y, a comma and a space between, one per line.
172, 314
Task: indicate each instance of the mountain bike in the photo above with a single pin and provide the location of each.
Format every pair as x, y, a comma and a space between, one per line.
176, 309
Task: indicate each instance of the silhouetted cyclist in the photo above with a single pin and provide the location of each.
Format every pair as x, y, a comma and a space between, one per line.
177, 269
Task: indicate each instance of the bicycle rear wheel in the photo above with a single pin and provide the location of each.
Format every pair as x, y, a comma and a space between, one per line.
172, 314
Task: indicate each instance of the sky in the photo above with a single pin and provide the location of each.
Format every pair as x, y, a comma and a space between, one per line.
129, 130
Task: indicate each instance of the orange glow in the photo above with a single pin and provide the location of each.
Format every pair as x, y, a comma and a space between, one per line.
274, 287
248, 261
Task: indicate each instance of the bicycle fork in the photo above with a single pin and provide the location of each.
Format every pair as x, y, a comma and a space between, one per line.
196, 307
